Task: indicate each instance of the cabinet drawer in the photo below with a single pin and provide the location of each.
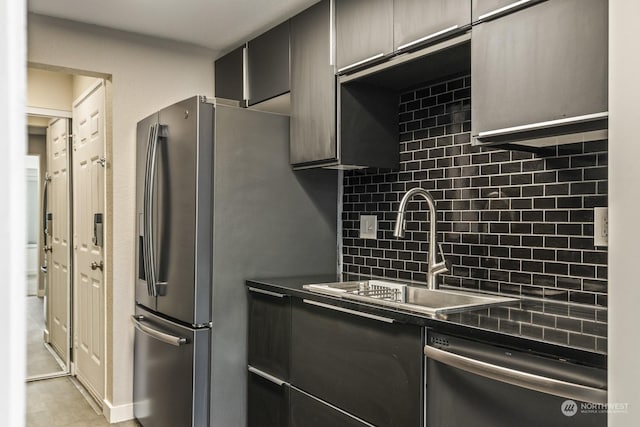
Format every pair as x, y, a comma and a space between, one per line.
307, 411
267, 403
269, 332
367, 367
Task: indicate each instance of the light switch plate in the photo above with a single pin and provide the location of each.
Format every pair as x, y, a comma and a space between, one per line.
368, 227
600, 227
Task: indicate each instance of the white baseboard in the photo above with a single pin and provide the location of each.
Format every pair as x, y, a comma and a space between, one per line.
117, 414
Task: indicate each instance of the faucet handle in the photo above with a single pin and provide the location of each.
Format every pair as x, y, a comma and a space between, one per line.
444, 260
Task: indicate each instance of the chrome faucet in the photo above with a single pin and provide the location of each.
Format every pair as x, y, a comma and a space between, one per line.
434, 268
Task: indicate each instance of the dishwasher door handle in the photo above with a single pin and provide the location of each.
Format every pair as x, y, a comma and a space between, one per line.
518, 378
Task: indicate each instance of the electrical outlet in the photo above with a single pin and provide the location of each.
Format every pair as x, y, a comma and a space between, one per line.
600, 226
368, 227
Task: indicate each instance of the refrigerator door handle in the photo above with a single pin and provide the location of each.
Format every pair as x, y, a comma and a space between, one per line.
148, 209
154, 333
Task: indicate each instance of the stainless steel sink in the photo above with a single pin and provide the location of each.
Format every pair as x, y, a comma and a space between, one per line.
414, 298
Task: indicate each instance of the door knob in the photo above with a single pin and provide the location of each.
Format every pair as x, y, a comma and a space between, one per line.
48, 249
97, 266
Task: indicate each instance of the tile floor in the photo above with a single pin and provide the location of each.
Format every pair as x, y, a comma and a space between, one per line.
59, 402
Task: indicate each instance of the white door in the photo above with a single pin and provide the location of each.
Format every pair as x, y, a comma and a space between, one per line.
58, 258
88, 205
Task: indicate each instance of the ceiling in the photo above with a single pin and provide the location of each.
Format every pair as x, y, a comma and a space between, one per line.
219, 25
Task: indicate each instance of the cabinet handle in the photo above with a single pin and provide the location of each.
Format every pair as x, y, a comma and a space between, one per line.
518, 378
364, 61
430, 36
262, 291
270, 378
348, 311
545, 125
502, 9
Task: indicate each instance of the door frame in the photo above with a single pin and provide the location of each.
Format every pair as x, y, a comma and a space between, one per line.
67, 115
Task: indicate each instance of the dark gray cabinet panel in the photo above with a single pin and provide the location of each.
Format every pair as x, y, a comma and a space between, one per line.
417, 22
268, 64
313, 104
229, 75
366, 367
269, 333
495, 8
309, 412
364, 30
267, 403
543, 63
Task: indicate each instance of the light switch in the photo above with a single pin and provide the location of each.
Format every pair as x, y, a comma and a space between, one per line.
368, 227
600, 227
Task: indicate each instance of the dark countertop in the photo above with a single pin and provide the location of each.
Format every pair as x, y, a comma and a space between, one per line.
566, 331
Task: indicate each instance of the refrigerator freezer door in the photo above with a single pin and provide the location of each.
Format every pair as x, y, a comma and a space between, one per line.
174, 211
145, 129
182, 219
171, 369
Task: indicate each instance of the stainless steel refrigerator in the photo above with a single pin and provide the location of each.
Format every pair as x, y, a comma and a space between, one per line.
216, 203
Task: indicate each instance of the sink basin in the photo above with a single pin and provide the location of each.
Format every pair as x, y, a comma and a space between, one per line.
414, 298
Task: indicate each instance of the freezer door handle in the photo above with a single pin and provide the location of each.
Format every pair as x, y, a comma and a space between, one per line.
154, 333
149, 188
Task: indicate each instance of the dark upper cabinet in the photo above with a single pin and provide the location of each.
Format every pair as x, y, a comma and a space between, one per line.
367, 367
268, 64
543, 71
313, 90
307, 411
490, 9
269, 333
364, 32
229, 78
417, 22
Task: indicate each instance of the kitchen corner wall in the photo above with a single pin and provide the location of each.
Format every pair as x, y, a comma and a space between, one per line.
510, 222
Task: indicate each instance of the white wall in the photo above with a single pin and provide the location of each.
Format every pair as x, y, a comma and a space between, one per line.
12, 210
624, 211
147, 74
82, 83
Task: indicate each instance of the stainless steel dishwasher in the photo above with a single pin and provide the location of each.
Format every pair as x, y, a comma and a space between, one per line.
469, 383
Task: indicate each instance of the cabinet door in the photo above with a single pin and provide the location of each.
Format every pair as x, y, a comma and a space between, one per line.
495, 8
267, 403
542, 63
268, 64
366, 367
313, 104
229, 75
364, 31
307, 411
417, 22
269, 332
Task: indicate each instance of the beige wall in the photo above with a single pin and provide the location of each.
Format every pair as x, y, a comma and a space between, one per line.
47, 89
80, 84
146, 74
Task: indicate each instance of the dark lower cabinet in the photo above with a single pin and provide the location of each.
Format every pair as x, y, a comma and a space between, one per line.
267, 403
269, 332
307, 411
367, 367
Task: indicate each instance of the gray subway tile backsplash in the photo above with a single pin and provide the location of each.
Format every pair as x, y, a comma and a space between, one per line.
513, 222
